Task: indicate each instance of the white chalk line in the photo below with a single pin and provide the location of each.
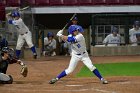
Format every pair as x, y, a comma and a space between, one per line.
73, 85
73, 90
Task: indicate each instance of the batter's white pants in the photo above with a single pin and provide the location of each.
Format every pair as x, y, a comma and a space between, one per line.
22, 38
76, 58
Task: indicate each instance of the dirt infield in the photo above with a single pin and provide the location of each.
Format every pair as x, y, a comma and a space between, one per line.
43, 69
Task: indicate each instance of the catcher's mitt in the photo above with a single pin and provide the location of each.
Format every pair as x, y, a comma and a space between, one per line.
24, 71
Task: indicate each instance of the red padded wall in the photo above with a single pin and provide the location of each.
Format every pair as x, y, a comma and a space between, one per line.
98, 2
112, 2
70, 2
12, 3
56, 2
85, 2
126, 2
42, 2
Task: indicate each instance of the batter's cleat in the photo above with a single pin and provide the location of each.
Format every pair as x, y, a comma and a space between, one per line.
53, 80
53, 54
103, 81
35, 56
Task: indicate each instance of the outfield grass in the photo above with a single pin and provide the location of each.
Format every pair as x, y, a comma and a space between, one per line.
113, 69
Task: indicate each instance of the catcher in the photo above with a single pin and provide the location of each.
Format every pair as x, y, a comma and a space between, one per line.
7, 57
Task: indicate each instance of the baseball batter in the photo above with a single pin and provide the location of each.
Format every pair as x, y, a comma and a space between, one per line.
79, 53
75, 22
133, 32
112, 39
24, 33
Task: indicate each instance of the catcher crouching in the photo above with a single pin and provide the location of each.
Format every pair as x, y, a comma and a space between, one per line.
7, 58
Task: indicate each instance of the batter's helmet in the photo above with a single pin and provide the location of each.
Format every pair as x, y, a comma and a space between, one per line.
114, 29
136, 23
75, 18
15, 14
50, 34
72, 28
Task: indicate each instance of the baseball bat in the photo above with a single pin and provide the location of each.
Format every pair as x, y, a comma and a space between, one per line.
22, 9
69, 21
59, 38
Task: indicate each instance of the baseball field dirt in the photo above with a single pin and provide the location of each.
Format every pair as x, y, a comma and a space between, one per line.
42, 70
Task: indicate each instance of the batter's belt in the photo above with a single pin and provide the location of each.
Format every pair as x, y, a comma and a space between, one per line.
81, 54
24, 33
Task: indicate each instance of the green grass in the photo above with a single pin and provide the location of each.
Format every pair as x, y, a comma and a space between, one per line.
113, 69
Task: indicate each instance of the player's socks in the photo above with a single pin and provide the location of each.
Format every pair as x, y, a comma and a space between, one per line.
62, 74
18, 53
97, 73
33, 49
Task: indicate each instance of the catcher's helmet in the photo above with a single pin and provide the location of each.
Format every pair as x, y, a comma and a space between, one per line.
5, 49
15, 14
72, 28
136, 23
50, 34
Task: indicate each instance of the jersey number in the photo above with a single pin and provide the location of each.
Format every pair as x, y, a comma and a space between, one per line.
17, 26
78, 45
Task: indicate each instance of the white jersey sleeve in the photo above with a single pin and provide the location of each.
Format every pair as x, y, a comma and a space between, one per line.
46, 41
20, 26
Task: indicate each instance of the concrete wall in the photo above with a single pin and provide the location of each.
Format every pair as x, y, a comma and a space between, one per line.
114, 51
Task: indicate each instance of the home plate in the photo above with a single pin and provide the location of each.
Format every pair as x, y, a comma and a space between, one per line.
74, 85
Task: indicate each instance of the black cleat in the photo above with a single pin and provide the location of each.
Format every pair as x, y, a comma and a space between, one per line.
35, 56
53, 81
103, 81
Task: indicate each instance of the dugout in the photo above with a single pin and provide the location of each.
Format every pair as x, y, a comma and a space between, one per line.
101, 27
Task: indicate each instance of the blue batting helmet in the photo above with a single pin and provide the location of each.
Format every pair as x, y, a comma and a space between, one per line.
50, 34
15, 14
75, 18
72, 28
114, 29
136, 23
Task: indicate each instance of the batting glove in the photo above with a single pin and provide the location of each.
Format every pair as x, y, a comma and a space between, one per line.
60, 33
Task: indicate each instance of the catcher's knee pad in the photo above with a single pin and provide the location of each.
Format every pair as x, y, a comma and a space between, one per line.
8, 80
